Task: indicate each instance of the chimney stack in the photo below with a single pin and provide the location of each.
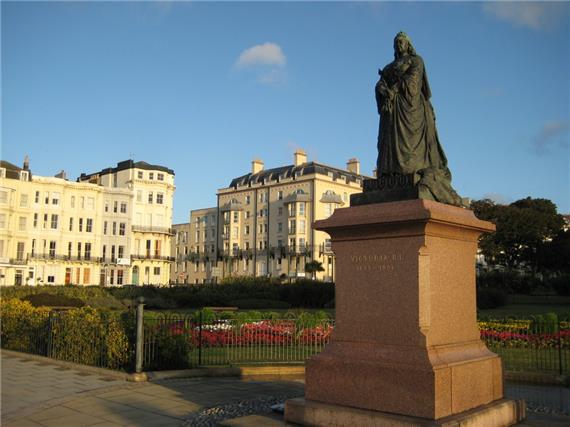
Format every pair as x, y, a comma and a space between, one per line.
26, 165
256, 166
353, 165
62, 175
300, 157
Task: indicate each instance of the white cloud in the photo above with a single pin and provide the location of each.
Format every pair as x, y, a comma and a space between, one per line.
551, 134
262, 54
534, 15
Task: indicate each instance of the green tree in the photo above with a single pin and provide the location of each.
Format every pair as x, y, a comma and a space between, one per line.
524, 228
313, 266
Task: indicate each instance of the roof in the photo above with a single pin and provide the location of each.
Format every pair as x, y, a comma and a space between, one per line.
289, 171
12, 171
126, 164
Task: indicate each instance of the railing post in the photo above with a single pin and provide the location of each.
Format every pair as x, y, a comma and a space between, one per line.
200, 338
559, 333
140, 336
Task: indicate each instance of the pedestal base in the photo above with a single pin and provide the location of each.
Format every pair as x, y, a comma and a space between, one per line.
500, 413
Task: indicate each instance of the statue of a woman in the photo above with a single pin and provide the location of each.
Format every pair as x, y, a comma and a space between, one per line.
407, 140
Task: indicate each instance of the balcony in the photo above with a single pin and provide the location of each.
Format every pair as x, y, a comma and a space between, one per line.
153, 257
153, 229
55, 257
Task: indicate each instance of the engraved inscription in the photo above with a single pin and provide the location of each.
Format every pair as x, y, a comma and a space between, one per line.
376, 262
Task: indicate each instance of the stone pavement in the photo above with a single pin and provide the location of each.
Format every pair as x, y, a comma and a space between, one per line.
40, 393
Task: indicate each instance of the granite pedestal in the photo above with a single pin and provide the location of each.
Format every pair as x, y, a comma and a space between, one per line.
406, 341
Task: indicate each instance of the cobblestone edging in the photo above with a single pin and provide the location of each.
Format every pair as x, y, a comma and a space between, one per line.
210, 417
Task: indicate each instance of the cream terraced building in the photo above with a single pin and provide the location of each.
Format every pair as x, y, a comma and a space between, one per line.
112, 227
261, 225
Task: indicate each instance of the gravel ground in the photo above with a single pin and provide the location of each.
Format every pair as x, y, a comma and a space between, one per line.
211, 416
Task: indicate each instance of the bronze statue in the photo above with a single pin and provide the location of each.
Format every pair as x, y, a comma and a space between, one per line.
408, 144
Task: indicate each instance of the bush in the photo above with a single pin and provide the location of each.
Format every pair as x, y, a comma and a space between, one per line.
491, 298
561, 284
258, 304
23, 327
53, 300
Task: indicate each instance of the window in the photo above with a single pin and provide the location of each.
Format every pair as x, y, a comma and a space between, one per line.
157, 248
123, 207
280, 195
78, 249
80, 224
151, 175
54, 221
55, 198
70, 224
23, 200
72, 201
292, 226
33, 251
279, 243
247, 200
2, 220
86, 276
247, 214
122, 228
279, 227
114, 228
160, 176
106, 206
156, 271
87, 250
69, 246
197, 235
90, 203
52, 248
302, 226
301, 209
3, 197
105, 227
115, 206
113, 253
280, 211
119, 277
37, 198
246, 231
1, 248
121, 251
150, 197
20, 251
22, 223
139, 195
139, 175
236, 217
291, 209
51, 279
148, 246
104, 253
159, 198
112, 277
235, 232
46, 199
45, 220
260, 228
82, 202
302, 243
89, 225
24, 175
35, 220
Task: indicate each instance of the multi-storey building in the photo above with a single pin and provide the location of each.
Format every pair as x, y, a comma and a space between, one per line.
263, 221
180, 248
108, 228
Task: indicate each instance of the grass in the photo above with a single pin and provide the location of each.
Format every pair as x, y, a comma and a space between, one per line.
533, 360
524, 311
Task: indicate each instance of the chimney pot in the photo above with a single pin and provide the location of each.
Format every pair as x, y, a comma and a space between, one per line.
353, 165
300, 157
256, 166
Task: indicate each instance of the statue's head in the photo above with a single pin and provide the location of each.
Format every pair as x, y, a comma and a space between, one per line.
402, 45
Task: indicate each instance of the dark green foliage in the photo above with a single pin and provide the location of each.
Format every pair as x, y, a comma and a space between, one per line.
307, 293
524, 229
172, 351
256, 304
53, 300
561, 284
491, 298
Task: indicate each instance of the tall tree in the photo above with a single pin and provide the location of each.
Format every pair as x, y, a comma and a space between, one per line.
524, 228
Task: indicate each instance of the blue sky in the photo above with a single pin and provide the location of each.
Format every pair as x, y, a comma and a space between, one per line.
203, 88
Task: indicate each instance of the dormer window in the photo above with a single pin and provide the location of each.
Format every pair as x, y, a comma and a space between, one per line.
2, 172
24, 175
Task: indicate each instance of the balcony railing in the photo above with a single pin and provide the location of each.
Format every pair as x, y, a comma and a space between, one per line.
153, 257
57, 257
152, 229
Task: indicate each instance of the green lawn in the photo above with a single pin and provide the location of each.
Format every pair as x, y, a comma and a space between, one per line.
524, 311
533, 360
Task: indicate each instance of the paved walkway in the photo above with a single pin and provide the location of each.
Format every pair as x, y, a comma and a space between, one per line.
44, 394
